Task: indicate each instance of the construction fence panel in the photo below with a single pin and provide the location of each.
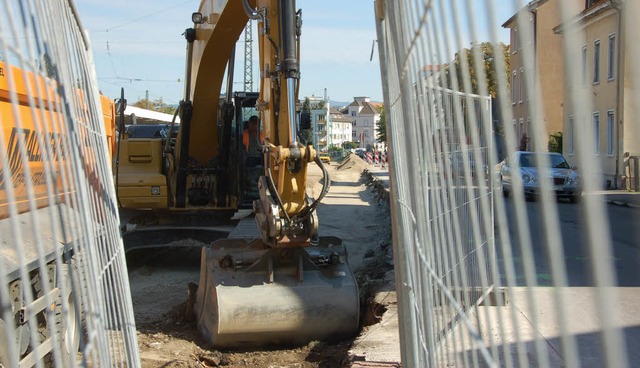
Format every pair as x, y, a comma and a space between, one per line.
64, 291
478, 283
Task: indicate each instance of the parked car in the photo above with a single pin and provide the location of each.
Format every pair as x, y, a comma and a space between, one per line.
324, 157
564, 180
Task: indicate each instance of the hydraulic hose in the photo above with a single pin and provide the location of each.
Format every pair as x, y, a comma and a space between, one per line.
272, 187
326, 184
251, 13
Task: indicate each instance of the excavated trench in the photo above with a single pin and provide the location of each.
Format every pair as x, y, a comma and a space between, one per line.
161, 278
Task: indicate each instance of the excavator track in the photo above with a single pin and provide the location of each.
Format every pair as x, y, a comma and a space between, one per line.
251, 295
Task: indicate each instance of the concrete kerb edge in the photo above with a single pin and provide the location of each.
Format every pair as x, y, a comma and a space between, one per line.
375, 185
623, 204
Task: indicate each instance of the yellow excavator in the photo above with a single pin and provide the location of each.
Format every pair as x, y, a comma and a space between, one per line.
272, 280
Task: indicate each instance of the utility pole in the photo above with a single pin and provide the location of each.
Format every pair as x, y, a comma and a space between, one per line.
248, 64
248, 58
329, 127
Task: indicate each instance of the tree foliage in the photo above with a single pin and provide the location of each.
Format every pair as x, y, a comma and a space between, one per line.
381, 130
306, 105
486, 51
306, 134
349, 145
155, 105
555, 142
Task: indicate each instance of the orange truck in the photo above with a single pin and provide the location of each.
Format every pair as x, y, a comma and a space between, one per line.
35, 178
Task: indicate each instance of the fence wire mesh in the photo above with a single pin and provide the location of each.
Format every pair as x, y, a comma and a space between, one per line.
503, 250
64, 292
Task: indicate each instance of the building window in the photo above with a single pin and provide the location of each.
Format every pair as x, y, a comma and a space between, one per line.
570, 129
610, 131
522, 132
521, 84
596, 62
584, 65
596, 133
514, 90
515, 40
611, 67
353, 113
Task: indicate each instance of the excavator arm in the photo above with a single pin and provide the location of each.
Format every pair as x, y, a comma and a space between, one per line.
284, 214
288, 286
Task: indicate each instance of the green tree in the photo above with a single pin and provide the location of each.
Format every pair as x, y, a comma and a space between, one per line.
155, 105
555, 142
349, 145
486, 50
381, 131
306, 105
306, 134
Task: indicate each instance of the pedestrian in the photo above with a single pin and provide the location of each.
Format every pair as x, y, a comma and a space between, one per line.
523, 142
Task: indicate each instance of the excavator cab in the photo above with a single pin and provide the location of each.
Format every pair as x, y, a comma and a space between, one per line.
250, 167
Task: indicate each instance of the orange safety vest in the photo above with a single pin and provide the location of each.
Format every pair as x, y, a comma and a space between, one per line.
245, 139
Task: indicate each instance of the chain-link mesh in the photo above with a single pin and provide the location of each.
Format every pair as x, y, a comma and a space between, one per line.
64, 292
528, 278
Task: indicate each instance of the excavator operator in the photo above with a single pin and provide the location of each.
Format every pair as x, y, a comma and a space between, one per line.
252, 139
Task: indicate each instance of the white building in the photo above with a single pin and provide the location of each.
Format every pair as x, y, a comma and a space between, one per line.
366, 116
340, 128
319, 118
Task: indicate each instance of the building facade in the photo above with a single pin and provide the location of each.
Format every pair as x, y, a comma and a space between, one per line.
319, 118
537, 64
365, 115
605, 77
340, 128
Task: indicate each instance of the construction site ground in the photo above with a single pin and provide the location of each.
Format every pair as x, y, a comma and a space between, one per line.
353, 210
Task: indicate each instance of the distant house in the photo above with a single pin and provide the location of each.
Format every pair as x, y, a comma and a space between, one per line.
366, 116
340, 128
319, 118
357, 122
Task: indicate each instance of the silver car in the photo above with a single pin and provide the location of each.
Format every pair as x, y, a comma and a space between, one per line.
563, 179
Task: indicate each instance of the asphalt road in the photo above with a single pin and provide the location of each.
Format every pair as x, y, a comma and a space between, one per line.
624, 230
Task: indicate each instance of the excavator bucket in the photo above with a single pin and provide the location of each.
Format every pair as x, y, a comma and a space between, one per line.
250, 295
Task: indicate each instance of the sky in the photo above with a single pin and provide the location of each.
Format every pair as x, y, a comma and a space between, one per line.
138, 45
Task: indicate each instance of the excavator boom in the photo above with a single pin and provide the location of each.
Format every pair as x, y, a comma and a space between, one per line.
281, 283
